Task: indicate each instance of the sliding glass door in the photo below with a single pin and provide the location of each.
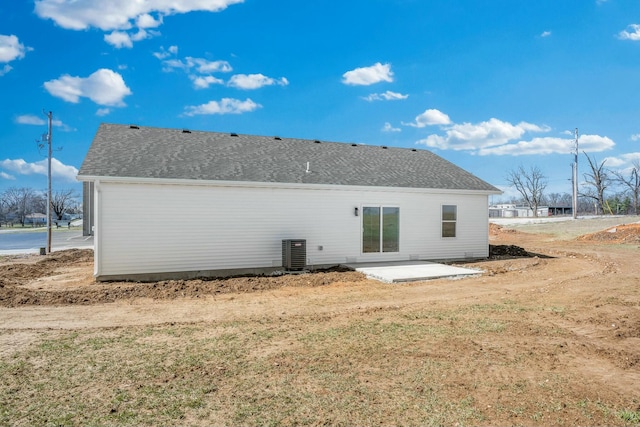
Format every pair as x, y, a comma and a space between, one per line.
380, 229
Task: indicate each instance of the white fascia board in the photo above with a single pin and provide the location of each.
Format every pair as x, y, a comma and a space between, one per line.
280, 185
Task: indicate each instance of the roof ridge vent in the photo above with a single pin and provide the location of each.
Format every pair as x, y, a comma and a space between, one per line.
354, 145
413, 149
134, 127
317, 141
384, 147
233, 134
186, 131
277, 138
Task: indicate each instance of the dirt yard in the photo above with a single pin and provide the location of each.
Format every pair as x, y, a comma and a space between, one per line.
549, 334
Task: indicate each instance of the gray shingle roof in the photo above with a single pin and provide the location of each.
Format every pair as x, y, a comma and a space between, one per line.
146, 152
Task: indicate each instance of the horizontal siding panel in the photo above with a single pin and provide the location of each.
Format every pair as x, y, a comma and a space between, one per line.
147, 228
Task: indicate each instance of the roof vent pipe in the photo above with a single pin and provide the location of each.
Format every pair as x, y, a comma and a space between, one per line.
186, 131
233, 134
308, 170
134, 127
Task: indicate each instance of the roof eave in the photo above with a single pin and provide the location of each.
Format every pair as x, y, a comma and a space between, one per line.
284, 185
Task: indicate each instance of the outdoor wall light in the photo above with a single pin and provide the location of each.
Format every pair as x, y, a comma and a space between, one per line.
355, 211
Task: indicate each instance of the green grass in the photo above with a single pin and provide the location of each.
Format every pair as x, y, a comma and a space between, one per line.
630, 417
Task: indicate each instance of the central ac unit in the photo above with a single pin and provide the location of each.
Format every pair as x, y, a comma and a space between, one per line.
294, 254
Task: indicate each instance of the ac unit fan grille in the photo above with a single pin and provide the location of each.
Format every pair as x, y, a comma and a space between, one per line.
294, 254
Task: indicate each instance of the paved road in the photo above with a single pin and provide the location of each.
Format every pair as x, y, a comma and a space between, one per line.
17, 242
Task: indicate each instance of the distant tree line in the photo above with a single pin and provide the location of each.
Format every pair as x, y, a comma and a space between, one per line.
18, 204
603, 191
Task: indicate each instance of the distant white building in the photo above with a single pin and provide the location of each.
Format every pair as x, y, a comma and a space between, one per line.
35, 219
515, 211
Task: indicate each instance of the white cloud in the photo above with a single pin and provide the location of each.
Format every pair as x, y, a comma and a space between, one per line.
58, 169
254, 81
623, 163
388, 128
546, 145
163, 54
10, 50
203, 82
198, 69
430, 117
121, 15
594, 143
30, 119
224, 106
386, 96
191, 64
205, 66
119, 39
631, 33
479, 136
366, 76
550, 145
147, 21
5, 175
104, 87
103, 112
635, 137
200, 72
545, 34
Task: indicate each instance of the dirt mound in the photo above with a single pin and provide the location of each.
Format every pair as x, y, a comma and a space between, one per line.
16, 270
20, 284
495, 229
69, 256
624, 233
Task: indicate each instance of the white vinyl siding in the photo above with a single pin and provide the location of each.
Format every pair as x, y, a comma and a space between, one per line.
155, 228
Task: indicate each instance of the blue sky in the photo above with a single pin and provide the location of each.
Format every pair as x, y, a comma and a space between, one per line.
489, 85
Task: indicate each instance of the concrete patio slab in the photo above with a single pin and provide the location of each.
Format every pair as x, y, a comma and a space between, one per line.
410, 271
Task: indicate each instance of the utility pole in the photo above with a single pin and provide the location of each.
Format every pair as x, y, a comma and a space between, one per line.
575, 178
50, 116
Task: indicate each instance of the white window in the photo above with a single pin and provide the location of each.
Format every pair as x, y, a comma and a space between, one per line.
449, 218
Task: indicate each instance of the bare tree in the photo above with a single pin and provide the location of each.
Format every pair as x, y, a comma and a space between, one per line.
61, 201
20, 202
631, 182
553, 199
530, 184
596, 182
3, 209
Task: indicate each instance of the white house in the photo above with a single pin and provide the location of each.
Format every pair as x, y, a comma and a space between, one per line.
170, 203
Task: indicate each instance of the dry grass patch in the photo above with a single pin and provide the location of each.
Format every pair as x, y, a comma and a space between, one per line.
381, 366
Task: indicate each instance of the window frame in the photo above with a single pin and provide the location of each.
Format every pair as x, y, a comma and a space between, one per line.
446, 222
381, 247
